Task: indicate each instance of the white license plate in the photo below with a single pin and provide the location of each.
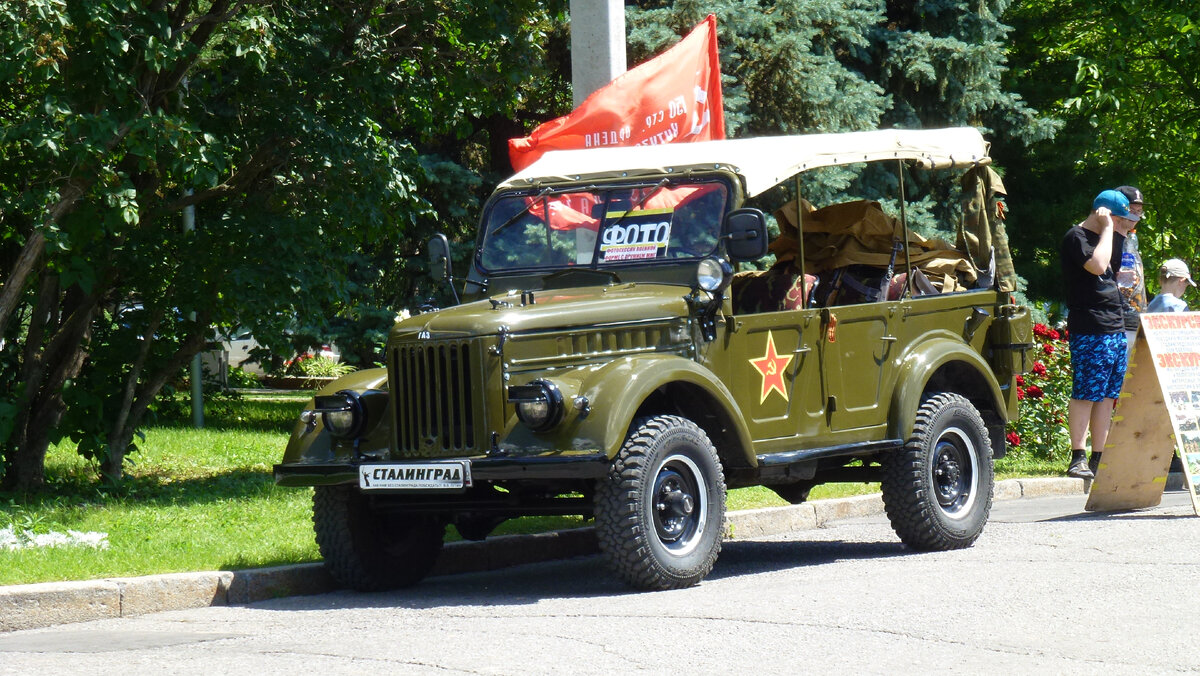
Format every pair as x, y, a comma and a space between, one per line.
444, 475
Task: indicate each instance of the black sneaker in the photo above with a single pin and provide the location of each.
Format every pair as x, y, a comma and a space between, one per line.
1176, 464
1079, 470
1094, 463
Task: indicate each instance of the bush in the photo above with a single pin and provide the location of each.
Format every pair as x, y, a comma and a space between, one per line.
1044, 394
311, 366
239, 377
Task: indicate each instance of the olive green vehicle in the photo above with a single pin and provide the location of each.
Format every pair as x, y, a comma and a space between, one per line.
606, 360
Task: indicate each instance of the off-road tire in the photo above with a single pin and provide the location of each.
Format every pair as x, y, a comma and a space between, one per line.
371, 551
660, 510
937, 490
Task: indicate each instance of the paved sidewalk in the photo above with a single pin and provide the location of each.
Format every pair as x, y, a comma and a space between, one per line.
40, 605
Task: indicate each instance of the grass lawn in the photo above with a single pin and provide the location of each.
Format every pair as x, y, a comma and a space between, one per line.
205, 500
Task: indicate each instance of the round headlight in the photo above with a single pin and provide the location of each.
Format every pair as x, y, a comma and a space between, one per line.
712, 274
342, 414
539, 404
340, 423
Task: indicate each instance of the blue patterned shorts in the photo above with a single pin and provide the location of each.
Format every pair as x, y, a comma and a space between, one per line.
1098, 366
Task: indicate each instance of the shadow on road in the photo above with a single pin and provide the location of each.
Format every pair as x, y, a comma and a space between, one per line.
756, 556
1134, 514
581, 578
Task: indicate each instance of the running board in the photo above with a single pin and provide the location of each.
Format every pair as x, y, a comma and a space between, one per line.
801, 465
809, 454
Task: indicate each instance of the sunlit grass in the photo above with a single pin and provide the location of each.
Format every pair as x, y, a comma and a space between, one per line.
205, 500
193, 500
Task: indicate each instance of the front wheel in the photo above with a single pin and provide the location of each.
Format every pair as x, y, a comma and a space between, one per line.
371, 550
937, 490
660, 510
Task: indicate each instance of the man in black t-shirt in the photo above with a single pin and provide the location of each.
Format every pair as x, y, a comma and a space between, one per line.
1090, 255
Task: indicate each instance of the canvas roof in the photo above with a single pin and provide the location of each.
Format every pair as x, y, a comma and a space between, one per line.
764, 161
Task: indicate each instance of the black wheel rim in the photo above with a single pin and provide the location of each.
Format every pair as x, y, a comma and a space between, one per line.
955, 472
679, 504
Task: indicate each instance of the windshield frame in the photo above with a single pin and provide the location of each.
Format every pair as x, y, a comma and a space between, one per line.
610, 216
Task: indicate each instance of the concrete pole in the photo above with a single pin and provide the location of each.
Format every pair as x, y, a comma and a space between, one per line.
189, 224
597, 45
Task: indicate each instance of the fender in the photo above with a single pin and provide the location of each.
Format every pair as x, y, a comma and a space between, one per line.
615, 391
919, 365
310, 442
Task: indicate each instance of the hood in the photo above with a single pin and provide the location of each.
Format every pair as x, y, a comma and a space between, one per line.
549, 309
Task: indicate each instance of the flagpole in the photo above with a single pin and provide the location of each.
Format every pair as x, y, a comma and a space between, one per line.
597, 45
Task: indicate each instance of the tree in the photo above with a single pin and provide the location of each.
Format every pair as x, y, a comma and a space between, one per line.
291, 129
1124, 79
800, 66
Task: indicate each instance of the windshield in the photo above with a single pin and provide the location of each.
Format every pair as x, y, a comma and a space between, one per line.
603, 225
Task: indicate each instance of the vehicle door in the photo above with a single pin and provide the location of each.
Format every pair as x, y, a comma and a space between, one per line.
775, 375
858, 350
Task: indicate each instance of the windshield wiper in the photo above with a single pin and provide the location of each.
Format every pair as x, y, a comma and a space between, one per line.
513, 219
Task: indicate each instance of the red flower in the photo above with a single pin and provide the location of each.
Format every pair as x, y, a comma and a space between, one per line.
1048, 348
1053, 334
1013, 439
1035, 392
1064, 334
1021, 380
1041, 330
1020, 393
1039, 368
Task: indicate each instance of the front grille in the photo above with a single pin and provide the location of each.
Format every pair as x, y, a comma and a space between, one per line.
437, 397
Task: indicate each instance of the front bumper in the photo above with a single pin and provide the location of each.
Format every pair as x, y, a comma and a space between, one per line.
574, 466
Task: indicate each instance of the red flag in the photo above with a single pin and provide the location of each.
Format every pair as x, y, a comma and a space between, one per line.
674, 97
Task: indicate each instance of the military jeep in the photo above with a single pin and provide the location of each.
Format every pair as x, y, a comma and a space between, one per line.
608, 359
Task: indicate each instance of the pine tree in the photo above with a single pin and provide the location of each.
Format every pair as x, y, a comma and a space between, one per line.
803, 66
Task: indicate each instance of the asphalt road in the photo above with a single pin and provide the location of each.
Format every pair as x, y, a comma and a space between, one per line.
1047, 589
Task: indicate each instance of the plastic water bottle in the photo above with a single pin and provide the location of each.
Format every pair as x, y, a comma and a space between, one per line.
1129, 276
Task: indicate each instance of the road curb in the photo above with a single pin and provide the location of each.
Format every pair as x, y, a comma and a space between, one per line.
40, 605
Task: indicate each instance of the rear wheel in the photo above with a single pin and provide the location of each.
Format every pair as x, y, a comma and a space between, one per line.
660, 511
937, 490
368, 550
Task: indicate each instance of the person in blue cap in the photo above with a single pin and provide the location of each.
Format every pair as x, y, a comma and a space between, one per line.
1089, 254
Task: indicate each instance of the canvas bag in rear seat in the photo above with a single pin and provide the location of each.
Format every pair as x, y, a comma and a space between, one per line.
860, 233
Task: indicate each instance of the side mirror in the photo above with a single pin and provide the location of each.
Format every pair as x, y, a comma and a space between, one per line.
745, 232
439, 262
439, 258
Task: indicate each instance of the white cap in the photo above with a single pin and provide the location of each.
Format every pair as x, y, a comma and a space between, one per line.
1173, 267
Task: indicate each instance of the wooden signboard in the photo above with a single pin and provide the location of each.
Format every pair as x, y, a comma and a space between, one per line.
1159, 412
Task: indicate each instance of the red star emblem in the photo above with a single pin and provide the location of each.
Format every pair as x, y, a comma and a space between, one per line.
771, 366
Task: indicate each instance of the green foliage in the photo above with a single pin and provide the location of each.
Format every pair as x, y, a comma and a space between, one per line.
239, 377
1122, 76
815, 66
316, 367
266, 119
1044, 394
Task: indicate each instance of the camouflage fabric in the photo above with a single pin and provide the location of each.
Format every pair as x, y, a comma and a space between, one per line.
773, 290
981, 232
